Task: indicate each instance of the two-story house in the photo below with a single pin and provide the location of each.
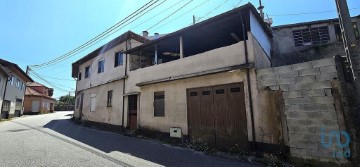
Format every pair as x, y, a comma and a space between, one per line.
306, 41
38, 99
101, 80
199, 81
3, 81
15, 90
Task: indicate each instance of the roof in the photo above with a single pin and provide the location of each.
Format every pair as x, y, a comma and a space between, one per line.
310, 23
118, 40
33, 84
244, 8
8, 64
32, 92
4, 70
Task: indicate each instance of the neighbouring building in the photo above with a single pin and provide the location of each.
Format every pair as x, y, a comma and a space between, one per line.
38, 99
3, 81
15, 90
306, 41
101, 80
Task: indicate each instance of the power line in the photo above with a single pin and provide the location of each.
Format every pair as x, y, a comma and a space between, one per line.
183, 14
213, 10
306, 13
126, 19
110, 33
58, 78
48, 82
156, 15
170, 15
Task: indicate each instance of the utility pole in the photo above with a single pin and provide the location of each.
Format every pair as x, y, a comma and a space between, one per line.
353, 59
351, 49
194, 21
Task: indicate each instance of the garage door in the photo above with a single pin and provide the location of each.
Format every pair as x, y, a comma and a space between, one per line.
217, 115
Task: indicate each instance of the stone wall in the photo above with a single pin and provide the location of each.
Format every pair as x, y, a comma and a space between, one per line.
308, 93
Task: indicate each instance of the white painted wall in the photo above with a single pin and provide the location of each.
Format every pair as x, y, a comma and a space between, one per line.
259, 33
13, 92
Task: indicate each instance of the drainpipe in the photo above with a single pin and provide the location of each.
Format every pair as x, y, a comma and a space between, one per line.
123, 105
249, 84
3, 97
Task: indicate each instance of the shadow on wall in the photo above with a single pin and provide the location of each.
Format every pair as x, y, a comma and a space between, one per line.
144, 149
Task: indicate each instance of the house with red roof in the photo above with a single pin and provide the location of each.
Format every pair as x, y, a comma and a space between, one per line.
38, 99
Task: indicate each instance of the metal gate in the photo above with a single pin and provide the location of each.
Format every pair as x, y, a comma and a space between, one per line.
217, 115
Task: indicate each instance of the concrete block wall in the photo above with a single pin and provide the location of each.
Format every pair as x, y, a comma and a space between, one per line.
309, 103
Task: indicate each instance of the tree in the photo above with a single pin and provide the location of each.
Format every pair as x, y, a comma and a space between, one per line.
65, 103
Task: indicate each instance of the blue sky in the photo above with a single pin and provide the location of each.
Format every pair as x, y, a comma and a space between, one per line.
36, 31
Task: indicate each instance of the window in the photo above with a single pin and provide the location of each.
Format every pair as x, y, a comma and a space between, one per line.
93, 102
118, 59
159, 104
79, 76
101, 66
11, 80
109, 98
18, 83
87, 72
339, 35
311, 36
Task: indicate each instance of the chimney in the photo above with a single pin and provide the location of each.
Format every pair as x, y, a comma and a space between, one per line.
145, 34
156, 35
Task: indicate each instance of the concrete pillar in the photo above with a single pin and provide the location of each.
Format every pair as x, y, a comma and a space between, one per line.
181, 48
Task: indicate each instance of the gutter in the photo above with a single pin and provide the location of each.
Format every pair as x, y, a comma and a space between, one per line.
123, 101
249, 84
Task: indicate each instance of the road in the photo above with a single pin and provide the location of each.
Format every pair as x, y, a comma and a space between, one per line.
54, 140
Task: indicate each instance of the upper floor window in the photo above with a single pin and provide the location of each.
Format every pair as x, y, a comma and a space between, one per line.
87, 72
101, 66
18, 83
118, 59
11, 80
79, 76
311, 36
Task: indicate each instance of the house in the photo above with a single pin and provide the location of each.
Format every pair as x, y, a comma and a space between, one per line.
3, 81
38, 99
199, 81
15, 90
101, 81
295, 43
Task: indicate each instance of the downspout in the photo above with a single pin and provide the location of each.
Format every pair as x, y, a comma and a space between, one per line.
249, 84
123, 103
3, 96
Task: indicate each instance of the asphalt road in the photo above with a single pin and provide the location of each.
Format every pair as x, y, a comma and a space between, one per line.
54, 140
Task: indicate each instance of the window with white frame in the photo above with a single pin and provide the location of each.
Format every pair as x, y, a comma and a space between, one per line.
93, 102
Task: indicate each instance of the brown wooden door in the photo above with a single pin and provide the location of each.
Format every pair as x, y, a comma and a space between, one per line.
217, 115
132, 104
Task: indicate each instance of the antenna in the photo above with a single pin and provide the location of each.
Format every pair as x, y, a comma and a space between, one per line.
260, 8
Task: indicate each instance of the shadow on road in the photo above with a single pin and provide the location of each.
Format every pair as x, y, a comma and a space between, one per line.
141, 148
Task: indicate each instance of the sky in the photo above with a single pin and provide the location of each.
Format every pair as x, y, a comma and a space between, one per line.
36, 31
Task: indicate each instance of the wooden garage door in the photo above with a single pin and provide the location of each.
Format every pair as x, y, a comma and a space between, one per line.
217, 115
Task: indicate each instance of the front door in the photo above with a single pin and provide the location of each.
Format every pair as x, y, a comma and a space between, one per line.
132, 103
35, 106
